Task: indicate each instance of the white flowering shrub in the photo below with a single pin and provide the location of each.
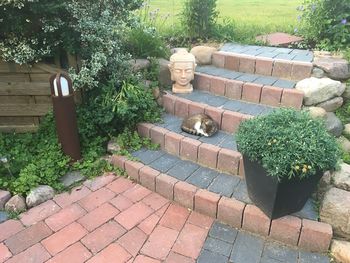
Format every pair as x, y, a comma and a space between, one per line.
34, 29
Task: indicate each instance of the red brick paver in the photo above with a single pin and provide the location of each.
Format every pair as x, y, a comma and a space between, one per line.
136, 225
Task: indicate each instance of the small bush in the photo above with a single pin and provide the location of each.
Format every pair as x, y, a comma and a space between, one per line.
343, 113
143, 39
326, 23
198, 18
144, 42
288, 143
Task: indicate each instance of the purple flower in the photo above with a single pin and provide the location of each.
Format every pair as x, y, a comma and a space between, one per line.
299, 18
344, 21
313, 7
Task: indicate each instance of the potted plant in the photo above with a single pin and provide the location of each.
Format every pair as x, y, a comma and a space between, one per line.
285, 154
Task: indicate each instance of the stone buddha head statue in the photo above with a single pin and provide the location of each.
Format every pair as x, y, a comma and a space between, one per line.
182, 66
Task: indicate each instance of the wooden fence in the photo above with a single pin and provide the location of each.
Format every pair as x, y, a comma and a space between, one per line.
24, 95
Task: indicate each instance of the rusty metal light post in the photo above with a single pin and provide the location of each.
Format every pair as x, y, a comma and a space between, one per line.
65, 115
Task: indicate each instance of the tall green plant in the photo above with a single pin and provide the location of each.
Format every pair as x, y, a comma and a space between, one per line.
326, 23
33, 30
199, 17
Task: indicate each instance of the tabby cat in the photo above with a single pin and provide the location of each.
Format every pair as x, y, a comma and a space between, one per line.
199, 124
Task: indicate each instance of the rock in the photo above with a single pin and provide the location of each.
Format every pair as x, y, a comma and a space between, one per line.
322, 53
203, 54
317, 73
139, 64
16, 204
156, 92
176, 49
336, 68
344, 144
113, 147
332, 104
346, 130
324, 185
317, 112
346, 93
39, 195
3, 216
279, 39
147, 84
71, 178
340, 250
341, 178
333, 124
4, 197
160, 101
319, 90
164, 77
335, 210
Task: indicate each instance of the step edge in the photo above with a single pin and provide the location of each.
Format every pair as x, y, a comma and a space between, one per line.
219, 207
221, 159
183, 108
272, 96
282, 68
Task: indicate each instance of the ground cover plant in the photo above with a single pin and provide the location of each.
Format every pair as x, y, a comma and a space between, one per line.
325, 24
29, 160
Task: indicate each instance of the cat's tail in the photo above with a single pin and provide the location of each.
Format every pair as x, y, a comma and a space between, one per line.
188, 130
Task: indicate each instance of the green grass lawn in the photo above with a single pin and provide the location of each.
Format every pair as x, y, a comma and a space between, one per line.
269, 15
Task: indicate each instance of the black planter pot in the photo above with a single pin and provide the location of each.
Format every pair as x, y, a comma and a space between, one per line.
274, 198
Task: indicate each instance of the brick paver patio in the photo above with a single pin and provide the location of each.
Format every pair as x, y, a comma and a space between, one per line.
109, 219
112, 219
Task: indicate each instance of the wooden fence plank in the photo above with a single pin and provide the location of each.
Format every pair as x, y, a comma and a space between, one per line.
43, 99
17, 100
24, 109
18, 128
15, 77
40, 77
18, 121
25, 88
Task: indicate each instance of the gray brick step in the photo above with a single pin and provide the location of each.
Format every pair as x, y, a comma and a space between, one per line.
217, 152
254, 88
282, 63
226, 112
206, 178
223, 196
225, 103
270, 52
221, 139
246, 77
225, 244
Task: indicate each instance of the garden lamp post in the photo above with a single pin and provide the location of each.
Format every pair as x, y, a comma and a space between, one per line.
65, 115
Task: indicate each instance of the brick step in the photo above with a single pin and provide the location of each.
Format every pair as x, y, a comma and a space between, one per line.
281, 63
226, 112
217, 152
292, 54
246, 77
253, 88
220, 196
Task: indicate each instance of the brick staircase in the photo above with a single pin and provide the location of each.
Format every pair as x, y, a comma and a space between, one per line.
207, 174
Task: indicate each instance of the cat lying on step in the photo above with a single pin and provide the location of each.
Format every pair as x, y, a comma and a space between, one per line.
199, 124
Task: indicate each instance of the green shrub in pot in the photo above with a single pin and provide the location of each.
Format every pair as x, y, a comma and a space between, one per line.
281, 152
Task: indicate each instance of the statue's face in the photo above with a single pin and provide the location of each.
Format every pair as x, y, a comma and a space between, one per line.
182, 73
